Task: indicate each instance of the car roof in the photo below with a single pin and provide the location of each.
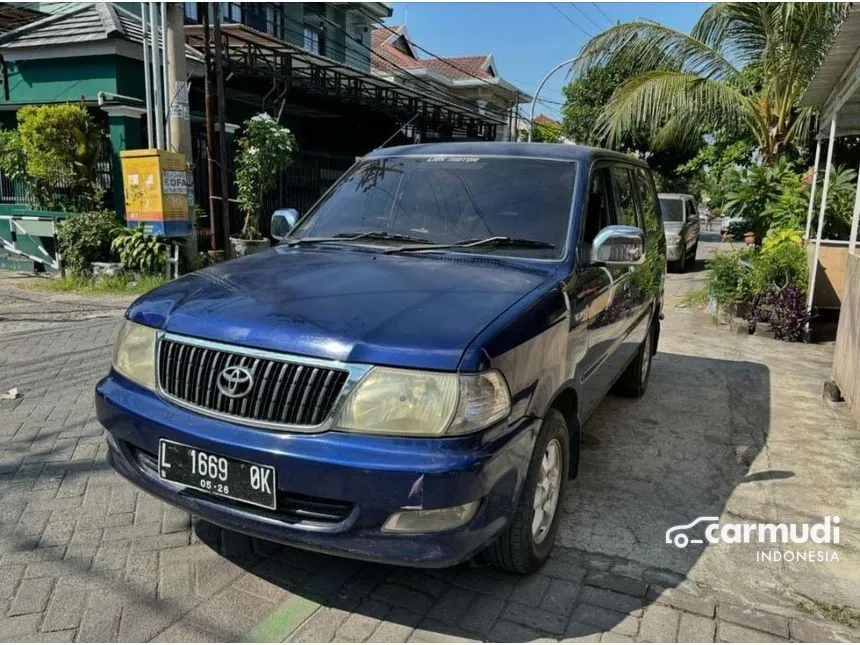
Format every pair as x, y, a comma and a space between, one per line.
554, 151
674, 196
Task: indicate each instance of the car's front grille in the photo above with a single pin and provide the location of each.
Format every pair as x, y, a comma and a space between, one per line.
279, 392
291, 508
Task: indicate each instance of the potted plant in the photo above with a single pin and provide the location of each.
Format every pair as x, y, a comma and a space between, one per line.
265, 150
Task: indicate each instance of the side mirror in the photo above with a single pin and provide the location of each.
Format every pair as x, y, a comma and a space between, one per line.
619, 246
283, 221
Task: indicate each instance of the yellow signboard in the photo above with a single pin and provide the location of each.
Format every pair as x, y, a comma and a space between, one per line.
156, 191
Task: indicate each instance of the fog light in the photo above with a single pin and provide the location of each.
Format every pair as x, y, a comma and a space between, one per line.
431, 520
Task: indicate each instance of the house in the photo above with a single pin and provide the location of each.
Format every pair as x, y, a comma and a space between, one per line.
307, 63
835, 264
473, 79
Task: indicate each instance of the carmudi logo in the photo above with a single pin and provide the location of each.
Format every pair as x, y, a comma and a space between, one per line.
708, 529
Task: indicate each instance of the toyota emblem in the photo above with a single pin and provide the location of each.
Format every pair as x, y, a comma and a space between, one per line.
235, 381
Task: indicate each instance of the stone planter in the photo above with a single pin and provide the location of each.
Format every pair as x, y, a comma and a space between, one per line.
240, 247
102, 269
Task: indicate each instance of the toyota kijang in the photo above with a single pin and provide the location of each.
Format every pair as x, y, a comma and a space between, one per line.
404, 376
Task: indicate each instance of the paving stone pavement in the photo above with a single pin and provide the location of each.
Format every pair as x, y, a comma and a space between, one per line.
84, 556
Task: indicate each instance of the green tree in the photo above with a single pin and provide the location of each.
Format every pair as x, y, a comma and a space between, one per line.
707, 174
588, 93
543, 131
744, 67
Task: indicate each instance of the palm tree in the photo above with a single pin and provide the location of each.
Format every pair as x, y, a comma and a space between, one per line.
743, 67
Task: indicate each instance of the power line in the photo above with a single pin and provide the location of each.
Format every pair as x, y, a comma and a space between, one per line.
600, 9
429, 53
585, 15
566, 17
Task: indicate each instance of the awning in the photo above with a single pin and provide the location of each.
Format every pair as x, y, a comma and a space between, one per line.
249, 52
836, 85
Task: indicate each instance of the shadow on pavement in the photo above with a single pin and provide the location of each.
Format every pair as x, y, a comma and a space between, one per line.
647, 465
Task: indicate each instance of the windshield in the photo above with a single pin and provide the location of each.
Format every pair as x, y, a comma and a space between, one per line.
672, 209
448, 199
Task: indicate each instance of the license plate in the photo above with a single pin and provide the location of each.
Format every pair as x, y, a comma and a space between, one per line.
235, 479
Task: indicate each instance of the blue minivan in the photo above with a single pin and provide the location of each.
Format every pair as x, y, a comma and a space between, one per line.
403, 378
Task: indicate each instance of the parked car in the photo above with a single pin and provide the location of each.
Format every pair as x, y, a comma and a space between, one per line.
733, 227
681, 224
404, 377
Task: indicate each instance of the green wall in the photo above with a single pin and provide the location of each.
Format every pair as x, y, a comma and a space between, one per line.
60, 79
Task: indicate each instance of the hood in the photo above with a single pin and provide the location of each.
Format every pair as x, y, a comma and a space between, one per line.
344, 304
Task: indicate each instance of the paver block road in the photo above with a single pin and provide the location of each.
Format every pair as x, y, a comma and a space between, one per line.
731, 426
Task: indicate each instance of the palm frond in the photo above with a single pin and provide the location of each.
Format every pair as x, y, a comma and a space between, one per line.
654, 99
655, 46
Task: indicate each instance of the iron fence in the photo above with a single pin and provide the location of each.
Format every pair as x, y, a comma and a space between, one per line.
17, 192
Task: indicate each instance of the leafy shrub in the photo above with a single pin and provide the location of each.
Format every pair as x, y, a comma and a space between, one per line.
727, 277
13, 160
756, 187
265, 149
840, 204
788, 313
139, 252
61, 144
769, 283
85, 238
777, 237
779, 266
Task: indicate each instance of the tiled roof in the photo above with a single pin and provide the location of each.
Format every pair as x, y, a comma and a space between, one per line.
86, 22
460, 67
385, 56
388, 58
543, 119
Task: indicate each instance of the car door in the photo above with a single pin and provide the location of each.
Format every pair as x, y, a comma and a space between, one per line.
648, 277
693, 225
593, 297
631, 299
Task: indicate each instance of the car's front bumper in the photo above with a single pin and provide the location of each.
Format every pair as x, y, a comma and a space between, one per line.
366, 477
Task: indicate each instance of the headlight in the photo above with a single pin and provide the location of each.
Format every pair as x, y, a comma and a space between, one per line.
412, 402
134, 353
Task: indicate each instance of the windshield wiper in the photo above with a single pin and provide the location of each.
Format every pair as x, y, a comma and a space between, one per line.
498, 241
353, 237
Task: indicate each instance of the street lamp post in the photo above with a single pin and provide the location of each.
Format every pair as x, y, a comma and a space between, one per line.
540, 87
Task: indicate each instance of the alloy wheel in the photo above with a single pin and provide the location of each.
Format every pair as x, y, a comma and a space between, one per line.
547, 491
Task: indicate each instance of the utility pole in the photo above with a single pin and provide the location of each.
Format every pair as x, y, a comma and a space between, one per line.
222, 134
176, 99
157, 85
210, 125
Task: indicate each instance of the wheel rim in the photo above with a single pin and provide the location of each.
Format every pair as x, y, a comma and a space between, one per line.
547, 491
646, 358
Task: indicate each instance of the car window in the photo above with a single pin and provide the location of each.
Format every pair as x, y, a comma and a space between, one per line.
446, 199
599, 214
672, 209
624, 199
692, 215
648, 201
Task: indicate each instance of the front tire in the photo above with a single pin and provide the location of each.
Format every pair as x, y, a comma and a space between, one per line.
526, 543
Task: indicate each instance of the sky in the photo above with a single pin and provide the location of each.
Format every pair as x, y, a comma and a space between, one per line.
528, 39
